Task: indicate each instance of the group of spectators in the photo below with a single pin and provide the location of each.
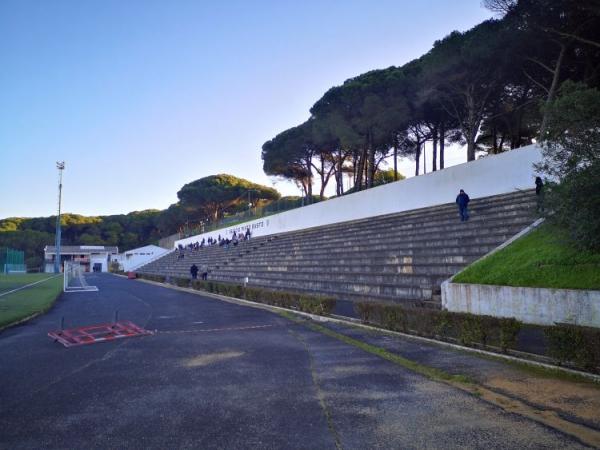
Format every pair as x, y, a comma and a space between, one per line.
221, 242
235, 239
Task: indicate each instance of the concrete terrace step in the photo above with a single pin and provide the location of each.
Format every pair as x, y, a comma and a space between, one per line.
448, 211
395, 257
467, 235
499, 219
356, 270
343, 290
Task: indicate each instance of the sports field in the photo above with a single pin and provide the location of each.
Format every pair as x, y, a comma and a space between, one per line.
23, 295
221, 375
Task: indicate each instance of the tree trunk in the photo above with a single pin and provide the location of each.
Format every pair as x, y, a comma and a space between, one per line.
360, 169
442, 144
372, 166
552, 90
470, 149
323, 181
366, 171
471, 127
435, 145
395, 158
417, 157
340, 175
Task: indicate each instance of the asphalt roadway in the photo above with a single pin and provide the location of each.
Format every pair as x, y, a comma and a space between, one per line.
221, 375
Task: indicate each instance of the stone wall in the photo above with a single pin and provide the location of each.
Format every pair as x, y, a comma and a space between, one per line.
531, 305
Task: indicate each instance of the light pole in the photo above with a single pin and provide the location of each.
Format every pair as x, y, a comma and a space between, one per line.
60, 165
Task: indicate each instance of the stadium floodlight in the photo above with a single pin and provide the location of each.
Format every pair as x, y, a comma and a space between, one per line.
60, 165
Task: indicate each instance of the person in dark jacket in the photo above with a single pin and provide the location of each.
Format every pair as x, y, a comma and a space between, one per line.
539, 193
462, 200
194, 271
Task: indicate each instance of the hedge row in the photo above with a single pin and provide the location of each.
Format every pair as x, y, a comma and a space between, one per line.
147, 276
301, 302
468, 329
566, 344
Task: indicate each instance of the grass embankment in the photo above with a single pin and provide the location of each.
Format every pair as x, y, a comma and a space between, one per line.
10, 282
543, 258
24, 303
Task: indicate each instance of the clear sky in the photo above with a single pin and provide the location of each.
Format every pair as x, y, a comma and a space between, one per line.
140, 97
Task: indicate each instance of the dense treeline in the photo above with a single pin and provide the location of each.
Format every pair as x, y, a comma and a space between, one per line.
488, 89
204, 200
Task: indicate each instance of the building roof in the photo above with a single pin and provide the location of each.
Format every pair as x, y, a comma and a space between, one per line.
155, 249
82, 249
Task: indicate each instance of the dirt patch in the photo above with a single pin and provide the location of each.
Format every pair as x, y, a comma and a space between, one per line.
211, 358
576, 399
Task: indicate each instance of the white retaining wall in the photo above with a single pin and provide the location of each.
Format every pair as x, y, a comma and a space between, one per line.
530, 305
487, 176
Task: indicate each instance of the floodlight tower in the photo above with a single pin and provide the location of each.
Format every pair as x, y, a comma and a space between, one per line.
60, 165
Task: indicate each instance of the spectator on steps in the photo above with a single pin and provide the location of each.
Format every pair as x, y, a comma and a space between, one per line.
247, 233
539, 192
205, 272
194, 271
462, 200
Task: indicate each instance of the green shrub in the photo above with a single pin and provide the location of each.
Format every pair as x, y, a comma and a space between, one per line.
509, 332
364, 310
472, 331
468, 329
579, 346
301, 302
199, 285
150, 277
392, 318
181, 282
443, 324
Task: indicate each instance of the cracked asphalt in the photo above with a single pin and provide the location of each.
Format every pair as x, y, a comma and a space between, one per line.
220, 375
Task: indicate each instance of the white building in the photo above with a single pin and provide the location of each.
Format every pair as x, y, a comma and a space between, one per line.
92, 257
132, 259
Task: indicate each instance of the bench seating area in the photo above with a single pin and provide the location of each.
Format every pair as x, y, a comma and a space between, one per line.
397, 257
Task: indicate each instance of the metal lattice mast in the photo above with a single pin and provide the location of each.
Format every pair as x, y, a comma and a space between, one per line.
60, 165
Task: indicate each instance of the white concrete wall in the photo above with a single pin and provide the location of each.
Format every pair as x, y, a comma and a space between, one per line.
530, 305
100, 258
487, 176
136, 257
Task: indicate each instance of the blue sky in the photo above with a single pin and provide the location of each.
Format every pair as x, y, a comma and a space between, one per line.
141, 97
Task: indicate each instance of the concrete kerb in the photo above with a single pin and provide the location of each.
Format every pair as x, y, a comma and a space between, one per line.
23, 320
353, 322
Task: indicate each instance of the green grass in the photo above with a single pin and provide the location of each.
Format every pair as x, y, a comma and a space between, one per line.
10, 282
29, 301
543, 258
